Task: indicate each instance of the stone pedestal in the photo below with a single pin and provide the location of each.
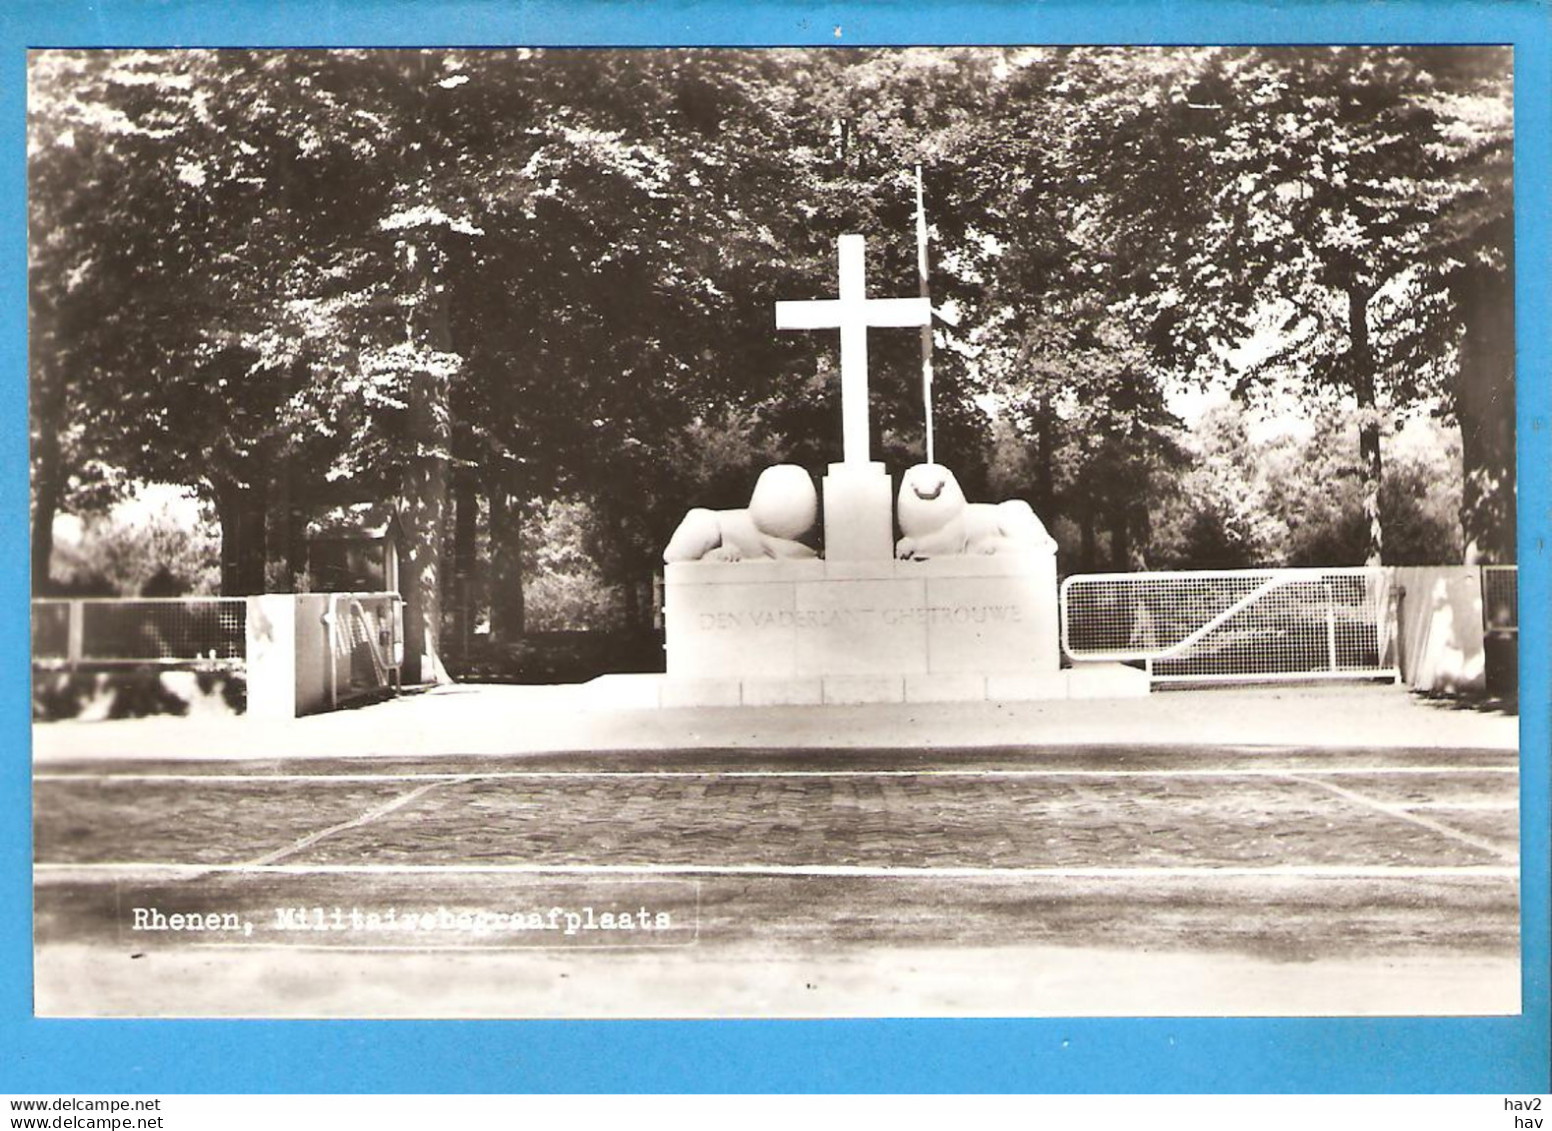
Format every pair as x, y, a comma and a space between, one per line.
858, 513
859, 631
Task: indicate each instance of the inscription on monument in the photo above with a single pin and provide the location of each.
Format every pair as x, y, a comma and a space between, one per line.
860, 617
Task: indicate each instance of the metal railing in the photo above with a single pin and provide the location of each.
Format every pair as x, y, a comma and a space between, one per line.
1501, 598
111, 631
1235, 625
366, 644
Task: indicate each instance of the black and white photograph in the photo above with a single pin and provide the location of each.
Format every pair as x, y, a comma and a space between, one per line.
814, 532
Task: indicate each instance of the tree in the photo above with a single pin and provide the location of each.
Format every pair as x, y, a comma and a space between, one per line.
230, 358
1350, 202
481, 282
1256, 496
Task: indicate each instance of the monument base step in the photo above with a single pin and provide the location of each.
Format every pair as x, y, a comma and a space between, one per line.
653, 691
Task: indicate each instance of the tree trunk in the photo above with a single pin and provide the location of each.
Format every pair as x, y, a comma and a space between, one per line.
49, 476
1120, 539
506, 565
421, 504
46, 486
466, 506
241, 512
423, 494
632, 605
286, 534
1484, 406
1139, 531
1045, 461
293, 511
626, 559
1361, 358
1088, 550
229, 515
296, 540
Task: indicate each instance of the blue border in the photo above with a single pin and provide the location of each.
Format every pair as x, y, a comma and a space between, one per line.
1154, 1055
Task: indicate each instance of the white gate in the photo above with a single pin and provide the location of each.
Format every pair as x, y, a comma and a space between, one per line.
366, 644
1234, 625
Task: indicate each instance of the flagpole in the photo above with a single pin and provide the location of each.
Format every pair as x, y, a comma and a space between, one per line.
926, 331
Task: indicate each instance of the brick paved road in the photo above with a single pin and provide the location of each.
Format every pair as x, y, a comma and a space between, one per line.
1170, 807
1170, 865
1384, 831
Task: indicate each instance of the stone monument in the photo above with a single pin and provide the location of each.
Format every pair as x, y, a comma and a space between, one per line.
856, 490
962, 607
780, 511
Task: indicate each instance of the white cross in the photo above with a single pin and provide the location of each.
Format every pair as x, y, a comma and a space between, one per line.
852, 314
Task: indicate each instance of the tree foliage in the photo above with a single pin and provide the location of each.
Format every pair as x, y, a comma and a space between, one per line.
472, 279
1346, 205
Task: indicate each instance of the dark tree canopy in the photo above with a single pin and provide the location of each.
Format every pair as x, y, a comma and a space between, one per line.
472, 282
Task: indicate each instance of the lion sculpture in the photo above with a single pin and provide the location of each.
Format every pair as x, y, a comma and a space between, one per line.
937, 522
781, 510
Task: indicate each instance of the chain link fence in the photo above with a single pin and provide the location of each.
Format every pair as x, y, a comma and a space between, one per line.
171, 632
353, 650
1501, 598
